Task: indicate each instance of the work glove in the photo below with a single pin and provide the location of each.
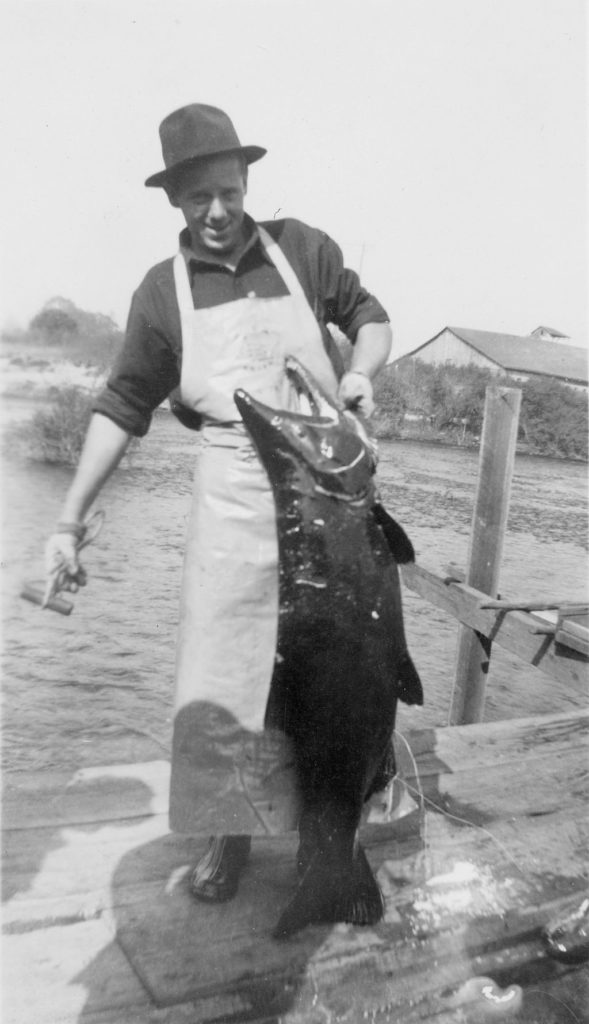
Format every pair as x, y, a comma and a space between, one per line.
62, 564
355, 392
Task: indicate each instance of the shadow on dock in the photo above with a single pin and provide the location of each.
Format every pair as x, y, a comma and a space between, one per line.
141, 939
182, 950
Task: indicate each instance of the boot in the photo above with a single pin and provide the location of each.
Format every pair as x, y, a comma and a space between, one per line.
216, 876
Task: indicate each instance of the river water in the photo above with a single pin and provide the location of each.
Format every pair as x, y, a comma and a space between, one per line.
95, 687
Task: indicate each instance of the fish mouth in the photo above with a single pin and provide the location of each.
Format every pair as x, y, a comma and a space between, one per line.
322, 411
329, 441
321, 407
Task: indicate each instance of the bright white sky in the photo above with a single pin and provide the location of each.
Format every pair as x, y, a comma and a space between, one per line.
440, 142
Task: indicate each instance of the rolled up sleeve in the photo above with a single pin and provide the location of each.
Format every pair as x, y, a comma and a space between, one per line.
143, 375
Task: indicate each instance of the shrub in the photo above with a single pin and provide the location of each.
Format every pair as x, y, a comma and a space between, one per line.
391, 405
553, 418
447, 398
56, 434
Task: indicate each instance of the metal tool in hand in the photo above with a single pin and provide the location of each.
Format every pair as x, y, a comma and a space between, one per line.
60, 575
58, 578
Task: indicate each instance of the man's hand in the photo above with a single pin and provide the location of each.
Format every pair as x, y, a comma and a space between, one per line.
62, 565
355, 392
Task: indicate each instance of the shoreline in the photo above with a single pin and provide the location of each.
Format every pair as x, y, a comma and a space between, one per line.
445, 440
30, 378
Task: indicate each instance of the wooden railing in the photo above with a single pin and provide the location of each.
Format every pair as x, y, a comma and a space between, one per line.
561, 648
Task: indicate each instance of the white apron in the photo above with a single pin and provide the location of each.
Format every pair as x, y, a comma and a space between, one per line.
228, 776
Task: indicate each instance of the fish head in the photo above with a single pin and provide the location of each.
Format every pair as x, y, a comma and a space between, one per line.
326, 449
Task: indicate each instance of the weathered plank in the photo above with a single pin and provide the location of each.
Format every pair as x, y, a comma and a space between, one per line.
559, 1000
573, 631
498, 846
87, 880
409, 980
55, 973
122, 793
91, 795
406, 965
449, 918
461, 772
489, 520
486, 744
511, 630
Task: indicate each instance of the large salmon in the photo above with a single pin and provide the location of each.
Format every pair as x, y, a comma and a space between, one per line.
341, 660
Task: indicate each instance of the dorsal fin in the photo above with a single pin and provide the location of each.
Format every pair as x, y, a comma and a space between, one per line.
396, 538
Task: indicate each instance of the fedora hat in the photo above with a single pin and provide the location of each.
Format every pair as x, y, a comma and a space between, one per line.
194, 133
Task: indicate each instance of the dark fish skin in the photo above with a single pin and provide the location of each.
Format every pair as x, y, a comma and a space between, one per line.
342, 660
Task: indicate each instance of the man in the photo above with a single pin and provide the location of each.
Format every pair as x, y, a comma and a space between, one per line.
224, 313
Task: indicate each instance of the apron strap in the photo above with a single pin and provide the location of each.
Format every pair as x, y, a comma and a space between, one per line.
281, 263
182, 282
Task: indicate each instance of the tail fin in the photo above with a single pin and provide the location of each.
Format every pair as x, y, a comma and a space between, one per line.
327, 895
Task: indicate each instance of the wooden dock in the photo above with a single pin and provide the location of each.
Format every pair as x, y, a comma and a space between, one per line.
100, 927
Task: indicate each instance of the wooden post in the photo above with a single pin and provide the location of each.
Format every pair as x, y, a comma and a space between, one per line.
497, 454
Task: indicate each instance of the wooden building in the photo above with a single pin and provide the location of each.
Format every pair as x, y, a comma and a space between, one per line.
540, 354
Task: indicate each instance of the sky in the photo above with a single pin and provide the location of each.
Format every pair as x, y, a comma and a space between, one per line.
441, 143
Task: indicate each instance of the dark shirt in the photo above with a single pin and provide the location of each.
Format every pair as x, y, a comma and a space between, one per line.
148, 367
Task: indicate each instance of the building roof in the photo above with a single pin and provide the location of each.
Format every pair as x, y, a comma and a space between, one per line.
549, 330
524, 354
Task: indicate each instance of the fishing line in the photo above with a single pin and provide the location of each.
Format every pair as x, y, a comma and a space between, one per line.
419, 791
448, 814
472, 824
